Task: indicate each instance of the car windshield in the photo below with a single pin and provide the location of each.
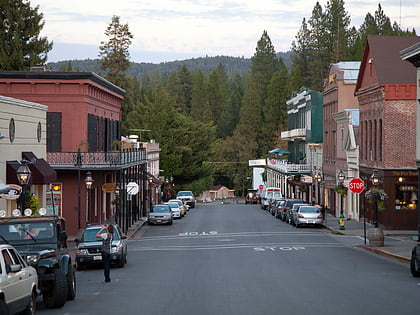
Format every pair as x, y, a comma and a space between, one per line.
90, 235
13, 231
160, 209
173, 204
184, 193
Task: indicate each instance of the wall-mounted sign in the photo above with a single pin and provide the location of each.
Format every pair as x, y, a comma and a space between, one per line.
132, 188
408, 188
108, 187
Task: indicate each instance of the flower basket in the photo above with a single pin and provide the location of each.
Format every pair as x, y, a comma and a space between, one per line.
341, 189
376, 195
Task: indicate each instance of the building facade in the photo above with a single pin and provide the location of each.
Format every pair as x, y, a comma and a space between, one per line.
386, 91
83, 136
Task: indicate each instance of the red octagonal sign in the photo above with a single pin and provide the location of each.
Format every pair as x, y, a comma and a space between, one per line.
356, 185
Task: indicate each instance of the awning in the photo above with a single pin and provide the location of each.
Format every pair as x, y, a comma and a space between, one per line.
279, 152
42, 172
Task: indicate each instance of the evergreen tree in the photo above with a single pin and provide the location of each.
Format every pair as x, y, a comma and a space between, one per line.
21, 47
338, 30
301, 56
200, 110
114, 55
216, 96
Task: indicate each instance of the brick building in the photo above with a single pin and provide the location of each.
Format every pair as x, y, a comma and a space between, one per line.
386, 91
83, 126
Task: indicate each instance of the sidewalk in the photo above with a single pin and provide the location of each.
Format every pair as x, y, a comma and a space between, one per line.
397, 243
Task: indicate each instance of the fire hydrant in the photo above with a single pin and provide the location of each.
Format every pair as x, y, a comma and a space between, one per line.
341, 222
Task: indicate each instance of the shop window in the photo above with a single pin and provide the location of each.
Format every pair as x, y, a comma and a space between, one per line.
406, 197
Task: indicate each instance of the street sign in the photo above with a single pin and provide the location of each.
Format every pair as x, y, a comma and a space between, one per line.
261, 187
132, 188
356, 185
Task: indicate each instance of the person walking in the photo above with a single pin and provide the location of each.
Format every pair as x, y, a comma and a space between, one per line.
107, 238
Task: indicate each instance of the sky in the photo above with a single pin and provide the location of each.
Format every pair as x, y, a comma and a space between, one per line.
168, 30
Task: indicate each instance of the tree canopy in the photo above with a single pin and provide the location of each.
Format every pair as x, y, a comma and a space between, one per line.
21, 45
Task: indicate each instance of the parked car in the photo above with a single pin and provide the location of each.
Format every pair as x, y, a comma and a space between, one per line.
176, 209
42, 242
89, 248
415, 258
18, 283
278, 206
290, 215
273, 205
160, 214
187, 196
269, 192
251, 197
309, 215
282, 212
184, 207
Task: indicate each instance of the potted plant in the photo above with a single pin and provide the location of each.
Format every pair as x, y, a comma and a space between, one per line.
341, 189
376, 195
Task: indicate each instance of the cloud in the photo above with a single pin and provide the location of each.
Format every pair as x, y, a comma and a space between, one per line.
198, 27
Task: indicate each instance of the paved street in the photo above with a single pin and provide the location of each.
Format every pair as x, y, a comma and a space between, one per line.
238, 259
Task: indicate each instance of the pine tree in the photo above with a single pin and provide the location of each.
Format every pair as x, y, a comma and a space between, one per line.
200, 110
21, 47
114, 55
338, 26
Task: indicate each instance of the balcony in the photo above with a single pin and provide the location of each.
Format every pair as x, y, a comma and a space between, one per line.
287, 167
294, 134
97, 160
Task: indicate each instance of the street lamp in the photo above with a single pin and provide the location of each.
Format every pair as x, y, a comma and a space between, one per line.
317, 177
117, 203
89, 182
341, 177
375, 180
23, 174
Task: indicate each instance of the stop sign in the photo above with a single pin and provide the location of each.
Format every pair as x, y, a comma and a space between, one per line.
261, 187
356, 185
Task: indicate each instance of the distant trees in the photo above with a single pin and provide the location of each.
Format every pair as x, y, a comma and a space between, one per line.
21, 46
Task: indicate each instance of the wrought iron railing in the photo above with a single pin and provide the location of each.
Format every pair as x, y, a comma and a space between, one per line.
286, 167
96, 159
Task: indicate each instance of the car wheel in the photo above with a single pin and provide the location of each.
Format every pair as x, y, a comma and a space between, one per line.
31, 307
414, 267
3, 308
71, 284
57, 295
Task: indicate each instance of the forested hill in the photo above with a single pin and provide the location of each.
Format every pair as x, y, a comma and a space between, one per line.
232, 65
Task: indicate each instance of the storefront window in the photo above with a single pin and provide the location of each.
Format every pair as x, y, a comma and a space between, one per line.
406, 197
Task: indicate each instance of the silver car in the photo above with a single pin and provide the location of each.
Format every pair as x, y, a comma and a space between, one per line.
176, 209
160, 214
308, 215
291, 213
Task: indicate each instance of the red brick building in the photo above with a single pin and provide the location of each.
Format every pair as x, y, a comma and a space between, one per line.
83, 127
386, 91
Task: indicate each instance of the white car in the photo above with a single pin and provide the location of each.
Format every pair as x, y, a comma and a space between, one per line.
176, 209
187, 196
18, 283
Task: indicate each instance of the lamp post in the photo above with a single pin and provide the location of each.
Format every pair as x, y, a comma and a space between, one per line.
341, 177
375, 179
376, 234
117, 203
89, 182
23, 174
317, 177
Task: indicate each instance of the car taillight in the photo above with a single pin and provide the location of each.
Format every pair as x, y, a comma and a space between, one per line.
286, 208
320, 216
300, 216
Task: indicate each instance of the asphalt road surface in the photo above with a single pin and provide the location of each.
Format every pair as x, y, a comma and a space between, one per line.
238, 259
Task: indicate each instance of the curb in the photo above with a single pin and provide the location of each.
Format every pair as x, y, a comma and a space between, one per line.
387, 254
136, 229
375, 250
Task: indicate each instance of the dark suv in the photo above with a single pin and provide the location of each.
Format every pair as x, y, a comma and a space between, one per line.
42, 242
89, 248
